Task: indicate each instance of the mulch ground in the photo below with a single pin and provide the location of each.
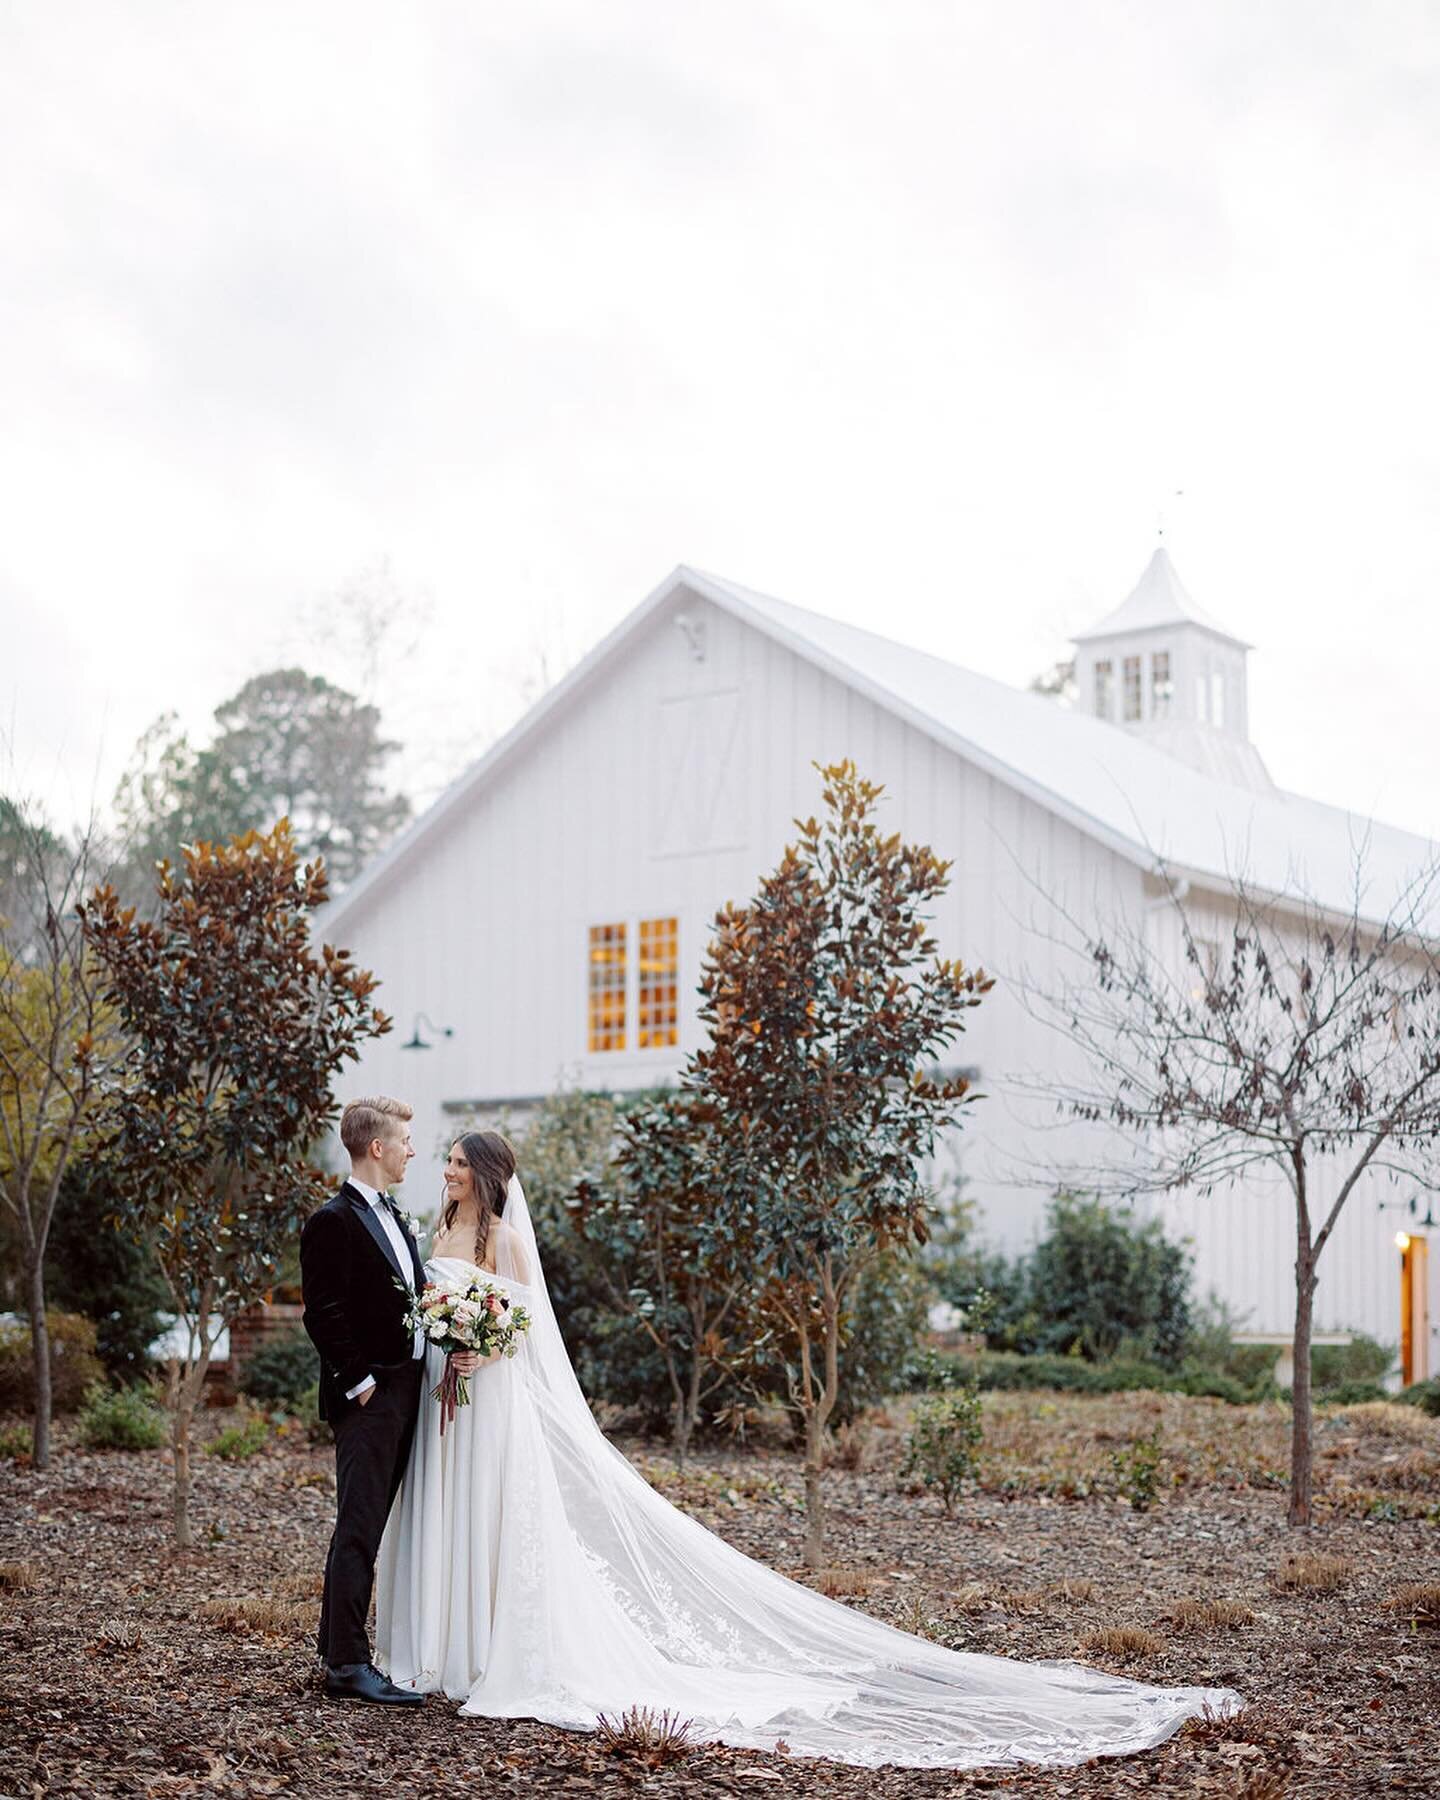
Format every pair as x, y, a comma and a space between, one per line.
126, 1669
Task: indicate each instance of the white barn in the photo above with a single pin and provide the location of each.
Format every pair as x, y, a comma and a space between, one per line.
544, 922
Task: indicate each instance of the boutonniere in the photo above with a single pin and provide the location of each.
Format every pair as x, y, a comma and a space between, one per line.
413, 1225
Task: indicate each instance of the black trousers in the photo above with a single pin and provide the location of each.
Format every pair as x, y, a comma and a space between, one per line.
372, 1446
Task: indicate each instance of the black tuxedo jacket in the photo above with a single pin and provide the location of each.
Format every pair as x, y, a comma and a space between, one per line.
355, 1296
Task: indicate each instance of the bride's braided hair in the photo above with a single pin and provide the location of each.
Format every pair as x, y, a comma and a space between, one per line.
492, 1163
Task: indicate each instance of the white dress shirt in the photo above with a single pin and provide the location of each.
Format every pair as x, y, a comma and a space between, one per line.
390, 1225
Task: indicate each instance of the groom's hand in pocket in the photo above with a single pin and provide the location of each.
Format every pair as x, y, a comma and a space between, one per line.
365, 1398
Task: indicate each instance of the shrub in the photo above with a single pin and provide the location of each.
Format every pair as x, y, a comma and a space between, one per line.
1362, 1361
1425, 1395
1007, 1371
121, 1419
307, 1410
883, 1330
105, 1274
941, 1447
16, 1444
1352, 1393
74, 1366
282, 1370
240, 1441
1099, 1279
1137, 1470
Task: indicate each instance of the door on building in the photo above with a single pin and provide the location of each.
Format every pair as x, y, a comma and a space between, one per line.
1414, 1307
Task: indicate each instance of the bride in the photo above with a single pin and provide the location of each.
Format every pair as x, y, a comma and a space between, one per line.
529, 1571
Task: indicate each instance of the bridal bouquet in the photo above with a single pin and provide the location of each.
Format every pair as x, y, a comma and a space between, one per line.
475, 1317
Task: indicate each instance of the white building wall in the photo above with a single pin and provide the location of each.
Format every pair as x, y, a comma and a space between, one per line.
669, 785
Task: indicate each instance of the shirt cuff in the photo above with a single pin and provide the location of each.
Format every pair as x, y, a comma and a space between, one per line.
355, 1392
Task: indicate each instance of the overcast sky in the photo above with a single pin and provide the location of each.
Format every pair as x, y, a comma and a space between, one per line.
916, 313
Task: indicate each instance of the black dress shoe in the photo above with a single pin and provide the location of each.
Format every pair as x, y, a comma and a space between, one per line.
363, 1681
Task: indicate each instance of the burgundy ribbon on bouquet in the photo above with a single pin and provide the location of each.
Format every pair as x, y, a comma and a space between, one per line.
448, 1394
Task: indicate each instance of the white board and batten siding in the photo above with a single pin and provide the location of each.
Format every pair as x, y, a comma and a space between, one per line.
656, 783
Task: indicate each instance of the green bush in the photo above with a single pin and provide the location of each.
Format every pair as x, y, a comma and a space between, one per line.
240, 1441
1098, 1284
95, 1269
1362, 1360
943, 1443
1351, 1393
1424, 1394
281, 1371
884, 1328
74, 1366
16, 1442
307, 1410
1098, 1279
1137, 1471
121, 1419
999, 1370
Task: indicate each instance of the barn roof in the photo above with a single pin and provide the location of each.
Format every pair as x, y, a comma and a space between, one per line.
1142, 803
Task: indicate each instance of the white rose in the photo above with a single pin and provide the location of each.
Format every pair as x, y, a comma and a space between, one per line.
439, 1329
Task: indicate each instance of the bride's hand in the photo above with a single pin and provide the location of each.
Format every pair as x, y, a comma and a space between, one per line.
464, 1362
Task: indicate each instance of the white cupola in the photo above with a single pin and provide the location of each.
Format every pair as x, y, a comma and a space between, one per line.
1161, 667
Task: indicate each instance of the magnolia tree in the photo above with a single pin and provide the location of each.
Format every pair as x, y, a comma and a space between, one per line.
52, 1021
236, 1028
1283, 1038
819, 1099
650, 1222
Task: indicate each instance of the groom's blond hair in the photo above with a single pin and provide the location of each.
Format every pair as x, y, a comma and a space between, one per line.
365, 1120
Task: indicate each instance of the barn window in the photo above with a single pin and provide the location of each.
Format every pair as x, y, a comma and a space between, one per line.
607, 987
1104, 679
1132, 689
1161, 686
658, 1013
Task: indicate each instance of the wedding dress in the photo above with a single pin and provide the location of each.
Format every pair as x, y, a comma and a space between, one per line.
528, 1570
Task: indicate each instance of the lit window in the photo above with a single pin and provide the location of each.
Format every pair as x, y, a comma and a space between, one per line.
1161, 686
1217, 698
607, 987
1132, 689
1202, 698
659, 1010
1104, 679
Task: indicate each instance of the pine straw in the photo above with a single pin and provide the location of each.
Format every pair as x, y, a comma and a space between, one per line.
1419, 1601
838, 1582
642, 1735
1209, 1615
118, 1635
1268, 1725
262, 1613
1385, 1418
1419, 1469
1303, 1571
18, 1577
1125, 1642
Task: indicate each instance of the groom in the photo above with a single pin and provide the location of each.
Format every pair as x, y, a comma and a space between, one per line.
358, 1264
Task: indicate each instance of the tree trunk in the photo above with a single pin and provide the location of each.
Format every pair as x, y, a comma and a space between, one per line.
814, 1489
185, 1393
1302, 1448
40, 1352
817, 1420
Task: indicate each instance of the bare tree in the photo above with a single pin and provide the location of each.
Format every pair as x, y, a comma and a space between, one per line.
51, 1016
1242, 1034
